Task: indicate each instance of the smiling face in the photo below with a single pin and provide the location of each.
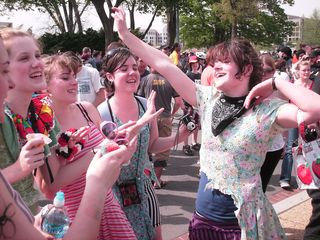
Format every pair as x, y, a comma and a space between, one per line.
5, 81
126, 77
26, 66
61, 79
237, 67
304, 71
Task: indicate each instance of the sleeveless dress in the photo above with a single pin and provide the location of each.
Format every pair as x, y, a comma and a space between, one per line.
232, 162
137, 214
114, 224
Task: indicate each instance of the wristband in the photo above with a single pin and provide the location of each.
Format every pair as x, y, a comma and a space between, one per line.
273, 82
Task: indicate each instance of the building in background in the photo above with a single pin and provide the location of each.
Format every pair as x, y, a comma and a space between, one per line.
296, 36
155, 38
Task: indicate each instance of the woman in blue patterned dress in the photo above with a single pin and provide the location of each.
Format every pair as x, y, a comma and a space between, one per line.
133, 189
235, 135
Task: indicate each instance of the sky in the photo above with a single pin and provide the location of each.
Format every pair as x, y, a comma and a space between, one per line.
38, 22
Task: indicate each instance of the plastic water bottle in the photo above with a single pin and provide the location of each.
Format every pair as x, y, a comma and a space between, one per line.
56, 221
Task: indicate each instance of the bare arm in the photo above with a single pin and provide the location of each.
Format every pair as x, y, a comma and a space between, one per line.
156, 59
301, 98
101, 175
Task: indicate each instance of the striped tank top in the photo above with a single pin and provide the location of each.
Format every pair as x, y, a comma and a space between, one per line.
114, 223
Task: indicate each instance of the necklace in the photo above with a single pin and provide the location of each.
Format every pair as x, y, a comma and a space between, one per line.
39, 117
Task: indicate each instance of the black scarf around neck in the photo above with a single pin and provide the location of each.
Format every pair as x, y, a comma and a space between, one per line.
225, 111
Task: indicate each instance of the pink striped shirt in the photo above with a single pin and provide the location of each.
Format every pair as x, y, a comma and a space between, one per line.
114, 223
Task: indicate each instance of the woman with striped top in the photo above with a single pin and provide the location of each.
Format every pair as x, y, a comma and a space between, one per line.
60, 73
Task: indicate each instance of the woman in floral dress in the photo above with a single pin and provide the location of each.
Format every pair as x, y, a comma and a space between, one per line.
236, 134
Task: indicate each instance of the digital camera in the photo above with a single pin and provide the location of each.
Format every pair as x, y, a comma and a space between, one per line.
189, 122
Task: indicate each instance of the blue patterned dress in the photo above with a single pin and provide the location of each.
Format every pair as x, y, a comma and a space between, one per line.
138, 214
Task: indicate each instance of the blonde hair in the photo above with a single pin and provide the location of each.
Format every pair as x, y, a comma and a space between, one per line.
51, 63
8, 34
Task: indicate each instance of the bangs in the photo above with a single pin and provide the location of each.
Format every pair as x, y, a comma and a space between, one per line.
222, 53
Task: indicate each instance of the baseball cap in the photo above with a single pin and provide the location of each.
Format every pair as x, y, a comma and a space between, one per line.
193, 59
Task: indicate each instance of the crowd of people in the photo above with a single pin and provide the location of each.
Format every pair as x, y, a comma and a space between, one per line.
243, 102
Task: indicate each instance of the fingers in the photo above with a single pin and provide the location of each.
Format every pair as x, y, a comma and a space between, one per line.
127, 125
34, 143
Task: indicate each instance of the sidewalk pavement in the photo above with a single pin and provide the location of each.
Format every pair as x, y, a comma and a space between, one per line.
177, 198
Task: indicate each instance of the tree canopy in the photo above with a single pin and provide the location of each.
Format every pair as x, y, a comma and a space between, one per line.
207, 22
311, 30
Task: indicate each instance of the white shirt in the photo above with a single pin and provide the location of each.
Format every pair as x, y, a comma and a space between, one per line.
88, 84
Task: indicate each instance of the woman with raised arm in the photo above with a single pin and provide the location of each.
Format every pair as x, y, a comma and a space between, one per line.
230, 202
16, 218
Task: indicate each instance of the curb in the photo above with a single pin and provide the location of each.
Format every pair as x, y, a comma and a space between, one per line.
290, 202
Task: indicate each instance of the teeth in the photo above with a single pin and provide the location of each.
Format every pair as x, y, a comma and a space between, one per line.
71, 91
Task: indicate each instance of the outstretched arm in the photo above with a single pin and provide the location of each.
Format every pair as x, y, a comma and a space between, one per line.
156, 59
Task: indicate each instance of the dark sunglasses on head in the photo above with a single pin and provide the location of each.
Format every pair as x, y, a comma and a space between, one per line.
112, 52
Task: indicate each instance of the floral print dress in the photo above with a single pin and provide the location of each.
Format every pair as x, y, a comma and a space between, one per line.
233, 159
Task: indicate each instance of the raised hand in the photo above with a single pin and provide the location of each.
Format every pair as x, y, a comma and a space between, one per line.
106, 168
119, 16
151, 112
78, 135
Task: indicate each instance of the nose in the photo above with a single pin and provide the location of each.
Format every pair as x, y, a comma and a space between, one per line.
10, 83
37, 62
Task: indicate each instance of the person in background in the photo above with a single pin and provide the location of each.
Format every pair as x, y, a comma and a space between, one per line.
303, 69
175, 54
195, 76
165, 49
95, 61
230, 201
286, 53
165, 94
315, 64
90, 88
86, 57
275, 151
208, 71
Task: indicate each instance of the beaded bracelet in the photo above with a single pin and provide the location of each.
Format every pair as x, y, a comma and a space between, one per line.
64, 150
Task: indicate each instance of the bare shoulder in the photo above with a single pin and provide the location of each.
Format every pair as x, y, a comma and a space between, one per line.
92, 111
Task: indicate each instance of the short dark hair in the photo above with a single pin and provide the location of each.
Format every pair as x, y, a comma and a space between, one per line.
112, 61
243, 54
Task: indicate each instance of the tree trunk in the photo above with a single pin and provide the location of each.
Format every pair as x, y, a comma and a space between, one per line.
234, 28
171, 26
77, 15
131, 9
107, 23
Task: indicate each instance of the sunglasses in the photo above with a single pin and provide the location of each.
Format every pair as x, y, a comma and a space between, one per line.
110, 130
114, 51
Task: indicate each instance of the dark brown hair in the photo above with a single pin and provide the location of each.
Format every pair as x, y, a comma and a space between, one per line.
112, 61
243, 54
